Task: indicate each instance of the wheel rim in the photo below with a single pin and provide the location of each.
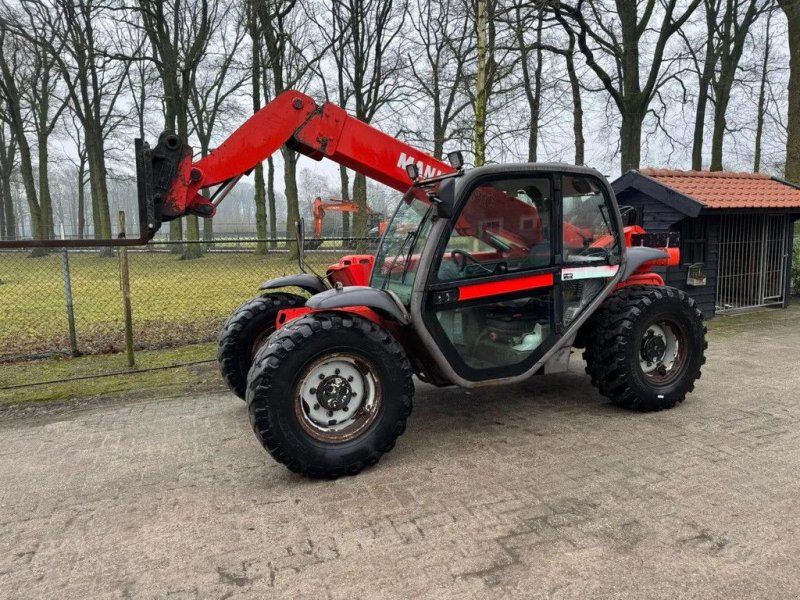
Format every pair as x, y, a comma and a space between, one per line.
338, 397
662, 352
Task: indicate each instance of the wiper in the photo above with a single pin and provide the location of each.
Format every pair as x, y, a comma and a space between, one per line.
415, 233
388, 275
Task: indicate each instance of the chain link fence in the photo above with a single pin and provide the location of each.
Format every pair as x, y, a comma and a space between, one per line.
175, 301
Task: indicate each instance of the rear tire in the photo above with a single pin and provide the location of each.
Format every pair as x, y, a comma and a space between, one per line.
647, 347
329, 394
244, 333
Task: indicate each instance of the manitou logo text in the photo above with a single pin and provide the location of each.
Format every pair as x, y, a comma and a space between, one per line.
425, 171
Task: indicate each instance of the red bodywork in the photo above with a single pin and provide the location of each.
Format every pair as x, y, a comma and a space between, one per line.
318, 131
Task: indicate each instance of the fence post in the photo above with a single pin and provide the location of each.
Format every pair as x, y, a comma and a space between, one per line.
125, 286
73, 336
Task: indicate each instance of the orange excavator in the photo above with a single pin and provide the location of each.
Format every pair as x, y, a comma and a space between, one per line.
374, 219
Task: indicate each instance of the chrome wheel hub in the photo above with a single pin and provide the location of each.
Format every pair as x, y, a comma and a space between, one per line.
659, 349
337, 397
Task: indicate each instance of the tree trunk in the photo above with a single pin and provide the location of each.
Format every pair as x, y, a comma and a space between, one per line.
709, 67
722, 95
99, 188
292, 203
10, 231
700, 124
8, 149
273, 213
480, 87
792, 10
82, 199
345, 191
631, 140
360, 217
45, 198
577, 112
762, 97
260, 199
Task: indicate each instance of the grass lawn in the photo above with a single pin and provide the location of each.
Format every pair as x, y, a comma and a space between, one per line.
175, 301
159, 382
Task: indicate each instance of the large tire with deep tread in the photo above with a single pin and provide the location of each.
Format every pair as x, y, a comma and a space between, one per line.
274, 383
243, 333
613, 352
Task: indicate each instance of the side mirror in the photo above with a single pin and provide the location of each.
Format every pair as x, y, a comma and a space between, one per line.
446, 199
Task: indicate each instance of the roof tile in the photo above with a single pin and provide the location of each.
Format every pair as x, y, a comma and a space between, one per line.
721, 189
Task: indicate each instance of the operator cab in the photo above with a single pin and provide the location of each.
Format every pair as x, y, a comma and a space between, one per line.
496, 285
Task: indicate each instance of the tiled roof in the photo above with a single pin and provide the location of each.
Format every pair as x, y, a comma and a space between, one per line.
720, 189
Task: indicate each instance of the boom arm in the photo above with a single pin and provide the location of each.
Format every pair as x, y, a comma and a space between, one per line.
292, 119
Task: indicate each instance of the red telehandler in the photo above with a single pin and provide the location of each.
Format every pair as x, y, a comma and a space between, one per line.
483, 276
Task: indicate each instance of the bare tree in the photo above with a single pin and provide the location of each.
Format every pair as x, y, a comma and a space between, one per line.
792, 10
80, 46
179, 32
80, 162
291, 50
523, 18
8, 151
15, 70
763, 89
373, 62
256, 66
568, 54
217, 79
481, 101
732, 28
630, 84
443, 44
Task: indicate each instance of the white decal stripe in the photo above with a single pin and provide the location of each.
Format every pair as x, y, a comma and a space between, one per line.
573, 273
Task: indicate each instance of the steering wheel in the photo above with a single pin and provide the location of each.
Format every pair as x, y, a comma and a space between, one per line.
465, 258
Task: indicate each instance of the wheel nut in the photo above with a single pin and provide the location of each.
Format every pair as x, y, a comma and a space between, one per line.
313, 390
350, 378
345, 408
330, 413
337, 371
316, 407
353, 394
321, 376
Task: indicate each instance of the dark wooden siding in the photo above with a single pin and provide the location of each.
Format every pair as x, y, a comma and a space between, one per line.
706, 295
659, 218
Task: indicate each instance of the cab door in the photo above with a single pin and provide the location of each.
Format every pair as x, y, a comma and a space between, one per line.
492, 303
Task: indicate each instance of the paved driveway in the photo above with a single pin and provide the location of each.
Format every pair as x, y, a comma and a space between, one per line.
537, 490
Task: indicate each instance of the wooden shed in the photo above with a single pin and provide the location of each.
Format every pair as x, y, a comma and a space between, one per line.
735, 232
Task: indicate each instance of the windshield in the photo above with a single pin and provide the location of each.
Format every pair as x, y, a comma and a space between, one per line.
398, 256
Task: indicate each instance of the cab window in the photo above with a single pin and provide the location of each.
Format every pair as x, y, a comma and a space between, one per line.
505, 226
588, 222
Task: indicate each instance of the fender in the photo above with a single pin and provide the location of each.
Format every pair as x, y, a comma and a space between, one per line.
361, 295
304, 281
638, 255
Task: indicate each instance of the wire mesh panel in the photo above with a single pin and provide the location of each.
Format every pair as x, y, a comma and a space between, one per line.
176, 300
752, 261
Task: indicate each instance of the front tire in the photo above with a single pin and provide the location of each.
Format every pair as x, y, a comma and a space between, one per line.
329, 394
647, 347
245, 331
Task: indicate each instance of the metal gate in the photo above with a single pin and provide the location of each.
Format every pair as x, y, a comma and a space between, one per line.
752, 261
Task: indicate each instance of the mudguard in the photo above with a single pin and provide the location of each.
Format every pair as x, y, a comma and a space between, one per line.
361, 295
638, 255
304, 281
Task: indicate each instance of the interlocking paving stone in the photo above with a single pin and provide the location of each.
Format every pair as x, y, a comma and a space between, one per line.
538, 490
